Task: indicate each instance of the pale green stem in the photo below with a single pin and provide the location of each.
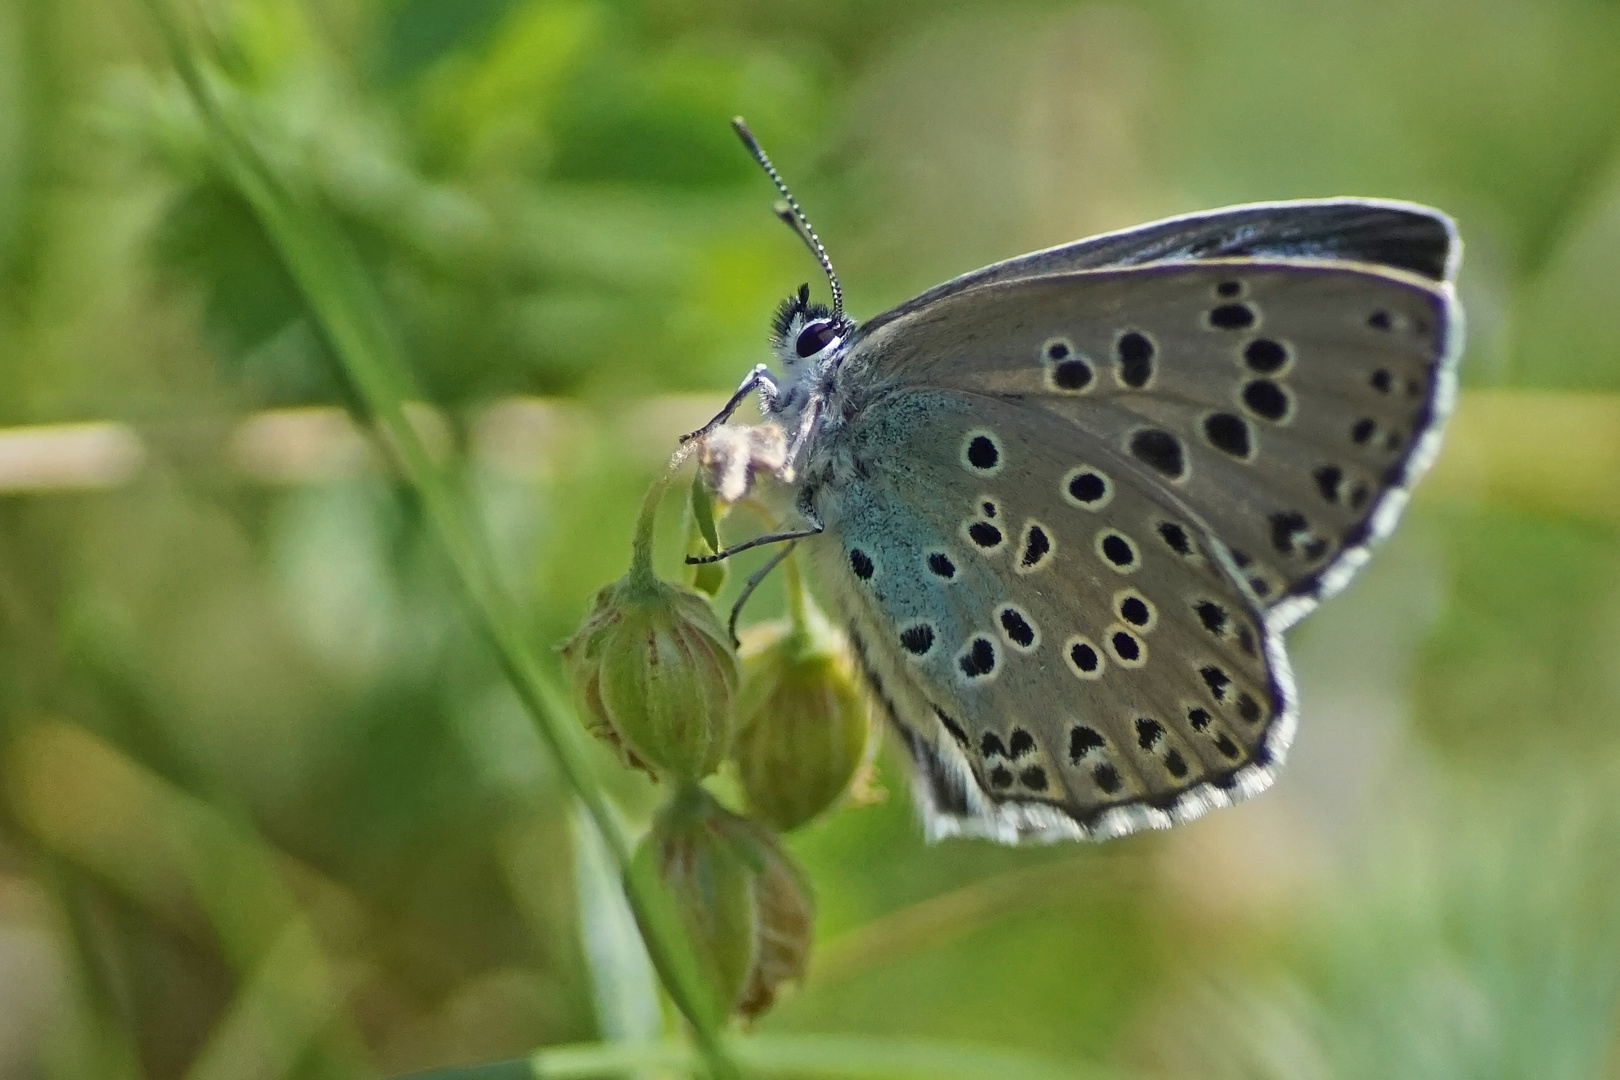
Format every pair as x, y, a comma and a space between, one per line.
824, 1057
855, 1057
798, 602
641, 547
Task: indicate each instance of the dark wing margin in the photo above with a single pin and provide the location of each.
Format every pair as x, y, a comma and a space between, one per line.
1383, 232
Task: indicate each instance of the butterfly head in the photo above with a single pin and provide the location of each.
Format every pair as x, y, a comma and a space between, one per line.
803, 330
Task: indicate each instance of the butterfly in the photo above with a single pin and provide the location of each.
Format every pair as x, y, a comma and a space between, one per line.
1067, 505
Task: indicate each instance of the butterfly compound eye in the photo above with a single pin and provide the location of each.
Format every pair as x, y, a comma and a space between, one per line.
815, 337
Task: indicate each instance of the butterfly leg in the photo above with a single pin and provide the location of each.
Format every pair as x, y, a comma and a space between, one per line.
758, 541
806, 510
807, 423
759, 379
753, 583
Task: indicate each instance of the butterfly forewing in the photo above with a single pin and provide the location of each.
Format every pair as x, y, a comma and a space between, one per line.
1375, 232
1285, 407
1064, 652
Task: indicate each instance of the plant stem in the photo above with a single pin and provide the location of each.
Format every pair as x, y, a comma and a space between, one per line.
827, 1057
798, 609
855, 1057
641, 545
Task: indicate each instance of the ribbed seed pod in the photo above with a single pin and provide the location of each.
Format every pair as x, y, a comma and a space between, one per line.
746, 907
654, 671
803, 730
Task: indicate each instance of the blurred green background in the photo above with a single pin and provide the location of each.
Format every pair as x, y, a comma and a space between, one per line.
269, 808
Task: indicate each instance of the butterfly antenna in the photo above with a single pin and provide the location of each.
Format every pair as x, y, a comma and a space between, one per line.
793, 215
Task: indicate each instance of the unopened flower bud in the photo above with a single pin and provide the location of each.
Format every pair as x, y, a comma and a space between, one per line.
803, 732
745, 905
654, 670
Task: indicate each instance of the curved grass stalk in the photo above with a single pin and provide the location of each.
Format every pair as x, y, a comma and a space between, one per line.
339, 293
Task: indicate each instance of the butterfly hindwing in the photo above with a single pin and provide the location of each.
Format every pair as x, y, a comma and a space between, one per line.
1063, 652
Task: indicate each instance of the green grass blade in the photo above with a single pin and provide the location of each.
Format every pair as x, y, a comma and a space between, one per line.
338, 291
625, 986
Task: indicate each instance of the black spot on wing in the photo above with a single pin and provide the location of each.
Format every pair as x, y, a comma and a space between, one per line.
978, 659
1118, 550
1267, 399
1136, 354
982, 452
1036, 545
1134, 610
1107, 778
1218, 681
1228, 433
1212, 615
1265, 356
1232, 317
1126, 646
1017, 627
1175, 538
1020, 743
1072, 375
1329, 479
917, 639
1083, 740
984, 534
1160, 450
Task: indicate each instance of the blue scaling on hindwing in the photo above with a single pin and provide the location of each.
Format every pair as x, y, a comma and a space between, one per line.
912, 603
